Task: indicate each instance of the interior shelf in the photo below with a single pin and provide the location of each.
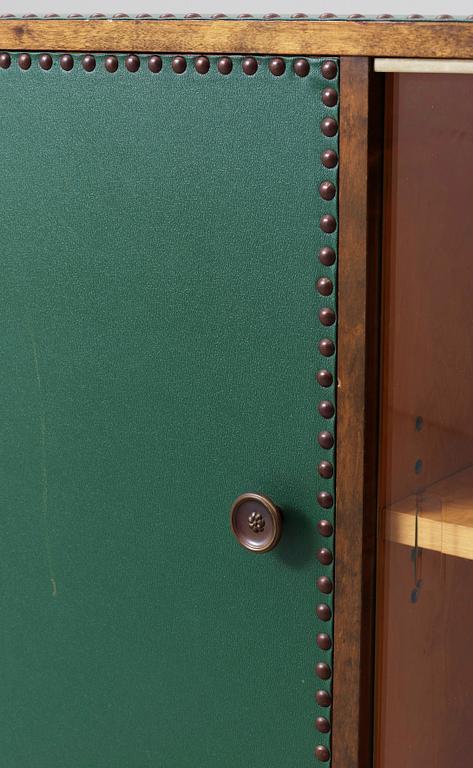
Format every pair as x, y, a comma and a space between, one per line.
444, 521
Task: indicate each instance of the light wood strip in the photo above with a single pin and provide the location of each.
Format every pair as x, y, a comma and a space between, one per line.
346, 38
444, 521
429, 66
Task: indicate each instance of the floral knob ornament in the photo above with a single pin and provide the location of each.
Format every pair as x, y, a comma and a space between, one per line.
256, 522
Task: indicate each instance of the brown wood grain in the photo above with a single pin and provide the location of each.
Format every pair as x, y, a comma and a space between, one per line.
361, 115
345, 38
424, 704
426, 707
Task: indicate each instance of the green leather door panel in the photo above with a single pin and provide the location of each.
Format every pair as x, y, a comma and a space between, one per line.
160, 237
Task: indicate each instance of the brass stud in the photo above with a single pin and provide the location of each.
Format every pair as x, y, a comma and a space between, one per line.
277, 66
323, 671
179, 64
322, 725
301, 67
326, 347
327, 190
24, 61
75, 16
167, 16
5, 60
324, 584
88, 62
268, 16
324, 286
329, 70
245, 16
329, 158
324, 641
325, 498
132, 63
299, 16
324, 556
66, 62
325, 527
192, 16
356, 16
143, 16
326, 469
330, 97
328, 16
415, 16
324, 613
219, 16
385, 16
327, 256
322, 753
51, 16
323, 698
202, 65
45, 61
120, 15
329, 126
155, 64
324, 378
327, 316
111, 63
98, 16
326, 440
30, 16
249, 65
326, 410
225, 65
328, 223
444, 16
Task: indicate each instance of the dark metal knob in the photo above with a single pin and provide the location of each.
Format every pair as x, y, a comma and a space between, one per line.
256, 522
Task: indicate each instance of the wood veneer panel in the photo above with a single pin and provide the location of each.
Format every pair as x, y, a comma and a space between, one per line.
361, 109
346, 38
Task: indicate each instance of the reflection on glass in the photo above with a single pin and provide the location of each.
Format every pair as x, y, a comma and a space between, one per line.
424, 692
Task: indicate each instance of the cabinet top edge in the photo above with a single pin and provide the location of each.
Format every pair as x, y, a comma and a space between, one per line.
393, 37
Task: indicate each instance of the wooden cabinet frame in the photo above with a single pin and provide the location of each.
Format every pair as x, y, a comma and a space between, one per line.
360, 215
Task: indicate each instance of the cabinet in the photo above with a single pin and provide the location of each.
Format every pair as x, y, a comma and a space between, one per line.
196, 230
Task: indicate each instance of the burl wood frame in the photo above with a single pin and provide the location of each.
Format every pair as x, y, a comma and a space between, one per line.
360, 215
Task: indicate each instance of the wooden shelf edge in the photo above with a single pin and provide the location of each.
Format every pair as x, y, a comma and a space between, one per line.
444, 519
434, 39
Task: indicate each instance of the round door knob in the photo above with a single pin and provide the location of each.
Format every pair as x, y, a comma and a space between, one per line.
256, 522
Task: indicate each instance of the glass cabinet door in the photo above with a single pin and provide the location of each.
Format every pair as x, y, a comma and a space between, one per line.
424, 692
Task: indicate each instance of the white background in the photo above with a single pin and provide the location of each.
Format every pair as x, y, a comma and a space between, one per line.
234, 7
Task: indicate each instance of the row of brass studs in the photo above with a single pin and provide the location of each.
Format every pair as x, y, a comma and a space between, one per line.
249, 65
266, 17
326, 408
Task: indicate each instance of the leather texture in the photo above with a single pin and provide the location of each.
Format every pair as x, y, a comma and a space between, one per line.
159, 354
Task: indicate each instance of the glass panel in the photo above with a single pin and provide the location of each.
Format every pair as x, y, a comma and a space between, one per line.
425, 583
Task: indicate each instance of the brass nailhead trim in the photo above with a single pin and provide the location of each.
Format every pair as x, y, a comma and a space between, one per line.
326, 408
323, 698
322, 754
324, 641
179, 64
323, 671
325, 527
24, 61
324, 613
324, 585
111, 64
322, 725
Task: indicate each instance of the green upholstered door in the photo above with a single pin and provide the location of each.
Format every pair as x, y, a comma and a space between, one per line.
167, 295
